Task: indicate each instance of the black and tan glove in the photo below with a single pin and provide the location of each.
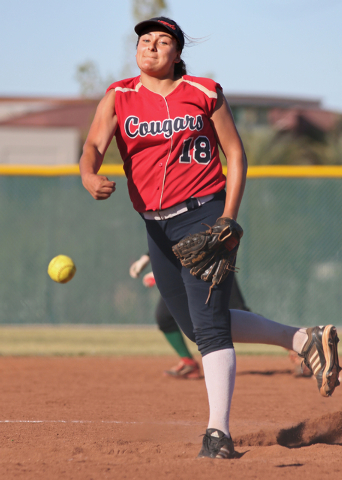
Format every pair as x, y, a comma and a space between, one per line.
211, 255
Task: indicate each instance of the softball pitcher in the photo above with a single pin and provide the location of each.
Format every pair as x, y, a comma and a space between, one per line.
168, 126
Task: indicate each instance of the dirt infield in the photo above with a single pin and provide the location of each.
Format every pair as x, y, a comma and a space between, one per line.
96, 418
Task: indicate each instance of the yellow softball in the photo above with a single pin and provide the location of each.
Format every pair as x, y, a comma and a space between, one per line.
61, 269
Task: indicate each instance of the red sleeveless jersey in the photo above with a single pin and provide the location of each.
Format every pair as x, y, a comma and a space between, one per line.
167, 143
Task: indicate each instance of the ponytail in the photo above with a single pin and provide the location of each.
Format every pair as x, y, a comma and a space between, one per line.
180, 69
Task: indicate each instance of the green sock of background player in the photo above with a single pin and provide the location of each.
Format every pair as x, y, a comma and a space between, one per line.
187, 366
176, 340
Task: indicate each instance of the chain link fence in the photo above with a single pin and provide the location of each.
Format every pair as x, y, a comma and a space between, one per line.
290, 257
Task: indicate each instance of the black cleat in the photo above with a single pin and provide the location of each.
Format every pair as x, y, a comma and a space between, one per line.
216, 444
321, 357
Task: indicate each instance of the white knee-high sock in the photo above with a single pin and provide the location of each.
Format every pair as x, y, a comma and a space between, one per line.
219, 372
249, 327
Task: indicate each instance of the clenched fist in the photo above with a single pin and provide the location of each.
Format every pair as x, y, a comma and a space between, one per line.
98, 186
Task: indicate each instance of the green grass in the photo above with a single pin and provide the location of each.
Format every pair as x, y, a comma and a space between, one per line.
97, 340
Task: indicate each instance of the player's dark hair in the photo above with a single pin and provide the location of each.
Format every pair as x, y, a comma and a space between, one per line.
180, 67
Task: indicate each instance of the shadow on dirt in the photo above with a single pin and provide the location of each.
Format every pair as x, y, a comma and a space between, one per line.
266, 372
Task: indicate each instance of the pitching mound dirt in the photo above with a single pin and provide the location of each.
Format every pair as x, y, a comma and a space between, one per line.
102, 418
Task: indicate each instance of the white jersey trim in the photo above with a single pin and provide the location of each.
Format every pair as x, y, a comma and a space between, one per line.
124, 90
205, 90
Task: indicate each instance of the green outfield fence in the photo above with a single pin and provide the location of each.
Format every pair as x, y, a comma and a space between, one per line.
290, 257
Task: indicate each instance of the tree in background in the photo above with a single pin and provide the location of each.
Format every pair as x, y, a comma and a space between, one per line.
144, 9
270, 147
91, 82
88, 76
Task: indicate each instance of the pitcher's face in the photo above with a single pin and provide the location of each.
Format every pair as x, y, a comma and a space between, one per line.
157, 53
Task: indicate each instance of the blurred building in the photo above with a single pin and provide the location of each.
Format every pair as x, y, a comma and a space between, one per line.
283, 114
51, 131
43, 131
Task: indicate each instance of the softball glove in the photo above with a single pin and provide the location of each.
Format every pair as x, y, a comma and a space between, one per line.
211, 255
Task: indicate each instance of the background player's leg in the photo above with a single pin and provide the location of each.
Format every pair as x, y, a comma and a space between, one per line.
187, 368
170, 329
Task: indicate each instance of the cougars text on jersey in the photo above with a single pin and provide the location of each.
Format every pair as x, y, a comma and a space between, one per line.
167, 127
